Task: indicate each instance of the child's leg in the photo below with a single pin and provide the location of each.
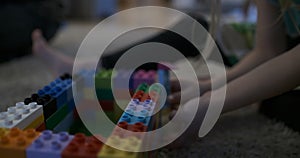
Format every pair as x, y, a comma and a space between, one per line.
57, 61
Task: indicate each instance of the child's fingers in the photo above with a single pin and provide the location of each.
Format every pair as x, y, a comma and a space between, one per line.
185, 95
174, 98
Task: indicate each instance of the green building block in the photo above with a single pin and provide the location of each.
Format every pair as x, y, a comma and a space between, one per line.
104, 94
103, 79
142, 87
57, 117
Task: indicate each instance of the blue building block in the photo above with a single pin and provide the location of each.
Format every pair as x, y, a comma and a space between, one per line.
164, 79
131, 119
60, 90
48, 145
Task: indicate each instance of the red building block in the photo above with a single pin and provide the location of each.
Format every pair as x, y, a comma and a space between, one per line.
82, 147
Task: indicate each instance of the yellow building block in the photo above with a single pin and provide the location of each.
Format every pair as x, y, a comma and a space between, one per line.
36, 123
124, 144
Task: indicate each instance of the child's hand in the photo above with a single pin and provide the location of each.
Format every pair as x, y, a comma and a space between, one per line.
187, 91
191, 133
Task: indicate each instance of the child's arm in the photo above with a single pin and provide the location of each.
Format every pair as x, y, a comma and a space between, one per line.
270, 42
272, 78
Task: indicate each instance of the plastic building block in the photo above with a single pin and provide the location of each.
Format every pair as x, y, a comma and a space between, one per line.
82, 146
103, 79
22, 116
57, 117
137, 127
65, 124
163, 77
41, 128
104, 94
131, 119
138, 108
36, 123
3, 132
48, 145
15, 142
79, 127
48, 103
142, 76
59, 89
125, 144
107, 105
142, 87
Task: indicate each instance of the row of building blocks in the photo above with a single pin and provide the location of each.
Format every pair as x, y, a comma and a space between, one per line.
136, 118
48, 145
22, 116
16, 141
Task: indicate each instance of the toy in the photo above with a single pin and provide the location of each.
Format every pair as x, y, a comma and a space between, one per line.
22, 116
82, 146
53, 108
48, 145
15, 142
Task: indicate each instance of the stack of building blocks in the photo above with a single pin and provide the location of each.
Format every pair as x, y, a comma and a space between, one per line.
122, 90
104, 92
61, 91
136, 118
53, 108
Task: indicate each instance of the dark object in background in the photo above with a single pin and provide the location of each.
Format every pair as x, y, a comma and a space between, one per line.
20, 17
284, 108
167, 37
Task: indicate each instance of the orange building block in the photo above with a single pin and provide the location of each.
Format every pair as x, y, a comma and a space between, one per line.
3, 132
15, 142
82, 147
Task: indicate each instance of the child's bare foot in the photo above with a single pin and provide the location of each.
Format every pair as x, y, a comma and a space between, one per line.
57, 61
39, 43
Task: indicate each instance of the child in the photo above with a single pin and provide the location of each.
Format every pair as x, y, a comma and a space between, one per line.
272, 67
